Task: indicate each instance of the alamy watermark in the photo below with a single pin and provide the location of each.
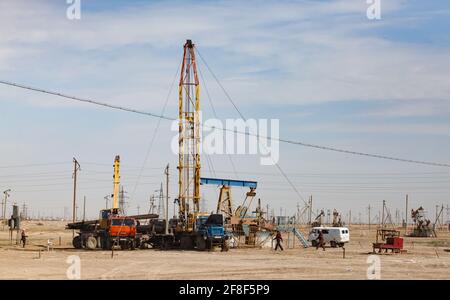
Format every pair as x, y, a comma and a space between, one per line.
74, 269
374, 10
237, 136
374, 269
73, 11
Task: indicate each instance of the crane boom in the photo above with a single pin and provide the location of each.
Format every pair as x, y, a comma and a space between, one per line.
115, 207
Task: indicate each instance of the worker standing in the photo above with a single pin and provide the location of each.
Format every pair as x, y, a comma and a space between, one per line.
320, 241
279, 239
23, 238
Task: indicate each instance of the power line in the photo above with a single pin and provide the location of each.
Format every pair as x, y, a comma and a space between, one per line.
282, 140
33, 165
89, 101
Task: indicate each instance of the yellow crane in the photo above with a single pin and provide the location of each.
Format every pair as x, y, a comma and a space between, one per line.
116, 176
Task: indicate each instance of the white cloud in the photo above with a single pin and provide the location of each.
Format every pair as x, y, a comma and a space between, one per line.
318, 48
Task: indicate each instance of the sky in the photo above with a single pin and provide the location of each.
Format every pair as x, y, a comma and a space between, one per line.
330, 75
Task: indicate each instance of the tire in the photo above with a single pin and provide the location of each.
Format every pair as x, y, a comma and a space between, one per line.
186, 243
209, 245
201, 243
76, 242
224, 246
91, 243
333, 244
314, 243
107, 244
125, 246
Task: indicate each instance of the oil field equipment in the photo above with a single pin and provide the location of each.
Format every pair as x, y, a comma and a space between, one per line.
422, 225
388, 239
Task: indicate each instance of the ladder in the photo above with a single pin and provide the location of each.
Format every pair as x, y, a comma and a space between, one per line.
300, 237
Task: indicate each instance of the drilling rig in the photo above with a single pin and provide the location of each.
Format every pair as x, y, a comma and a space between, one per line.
192, 229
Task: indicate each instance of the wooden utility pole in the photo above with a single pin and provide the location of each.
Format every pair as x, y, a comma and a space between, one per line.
369, 217
382, 215
76, 168
84, 208
167, 199
106, 201
406, 215
310, 209
6, 193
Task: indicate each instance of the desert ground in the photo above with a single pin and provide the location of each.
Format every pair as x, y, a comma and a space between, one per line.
426, 258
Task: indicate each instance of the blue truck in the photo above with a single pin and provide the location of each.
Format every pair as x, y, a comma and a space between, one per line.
210, 233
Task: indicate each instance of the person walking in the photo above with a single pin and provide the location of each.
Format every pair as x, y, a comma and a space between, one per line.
279, 239
23, 239
320, 241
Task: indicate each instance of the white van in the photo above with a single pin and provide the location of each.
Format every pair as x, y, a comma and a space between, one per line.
336, 236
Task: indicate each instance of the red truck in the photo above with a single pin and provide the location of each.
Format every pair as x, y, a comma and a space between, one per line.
110, 230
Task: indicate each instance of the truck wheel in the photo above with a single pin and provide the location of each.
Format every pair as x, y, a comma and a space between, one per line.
224, 246
333, 244
209, 244
107, 243
124, 245
76, 242
133, 245
314, 243
91, 243
201, 244
186, 243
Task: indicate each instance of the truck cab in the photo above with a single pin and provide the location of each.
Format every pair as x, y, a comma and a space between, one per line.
210, 232
122, 227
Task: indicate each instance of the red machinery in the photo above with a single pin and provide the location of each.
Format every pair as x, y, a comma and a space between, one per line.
390, 239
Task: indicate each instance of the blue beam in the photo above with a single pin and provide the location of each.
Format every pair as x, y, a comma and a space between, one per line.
228, 182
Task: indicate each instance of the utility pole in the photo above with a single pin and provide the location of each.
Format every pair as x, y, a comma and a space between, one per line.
447, 214
106, 201
310, 209
84, 208
369, 217
382, 216
6, 193
24, 209
138, 209
406, 215
161, 209
437, 208
76, 168
167, 199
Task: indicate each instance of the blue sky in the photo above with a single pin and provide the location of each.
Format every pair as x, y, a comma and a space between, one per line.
329, 74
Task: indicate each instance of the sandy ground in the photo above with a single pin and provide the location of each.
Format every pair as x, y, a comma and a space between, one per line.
426, 258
